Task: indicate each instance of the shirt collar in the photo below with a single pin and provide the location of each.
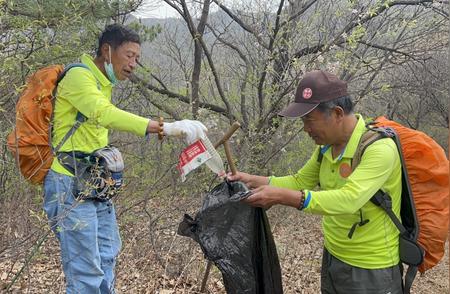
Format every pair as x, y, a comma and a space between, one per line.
101, 78
352, 144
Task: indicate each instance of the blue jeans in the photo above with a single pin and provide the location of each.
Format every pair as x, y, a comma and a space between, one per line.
88, 236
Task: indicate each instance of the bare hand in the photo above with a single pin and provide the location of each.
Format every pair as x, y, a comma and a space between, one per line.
264, 196
239, 176
252, 181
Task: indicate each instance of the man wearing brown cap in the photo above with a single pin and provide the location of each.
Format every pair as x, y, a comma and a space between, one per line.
361, 251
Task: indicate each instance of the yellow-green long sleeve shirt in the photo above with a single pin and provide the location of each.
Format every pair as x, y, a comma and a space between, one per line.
343, 197
89, 91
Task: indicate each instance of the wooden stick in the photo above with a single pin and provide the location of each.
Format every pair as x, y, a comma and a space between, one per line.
228, 134
206, 276
226, 145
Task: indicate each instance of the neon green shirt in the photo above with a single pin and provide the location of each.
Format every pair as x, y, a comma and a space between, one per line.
89, 91
340, 200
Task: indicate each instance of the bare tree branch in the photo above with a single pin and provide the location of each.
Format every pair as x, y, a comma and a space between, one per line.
384, 48
244, 113
368, 16
300, 12
243, 25
198, 57
163, 107
141, 83
264, 73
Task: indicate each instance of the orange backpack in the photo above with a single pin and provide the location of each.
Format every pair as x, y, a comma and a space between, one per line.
427, 168
30, 140
425, 195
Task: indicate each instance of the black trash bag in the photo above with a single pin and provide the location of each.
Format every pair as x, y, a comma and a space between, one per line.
238, 239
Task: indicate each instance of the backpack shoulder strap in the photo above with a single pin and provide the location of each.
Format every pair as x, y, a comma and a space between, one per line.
80, 118
69, 67
366, 140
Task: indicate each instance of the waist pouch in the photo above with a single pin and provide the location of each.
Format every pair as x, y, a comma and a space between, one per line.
98, 175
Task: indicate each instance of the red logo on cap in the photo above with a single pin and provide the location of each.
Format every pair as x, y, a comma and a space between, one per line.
307, 93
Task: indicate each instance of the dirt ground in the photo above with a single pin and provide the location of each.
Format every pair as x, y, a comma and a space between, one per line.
160, 261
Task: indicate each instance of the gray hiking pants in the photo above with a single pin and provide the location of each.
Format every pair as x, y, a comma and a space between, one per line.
337, 277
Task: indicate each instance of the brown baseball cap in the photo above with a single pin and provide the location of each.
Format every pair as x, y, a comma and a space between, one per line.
316, 86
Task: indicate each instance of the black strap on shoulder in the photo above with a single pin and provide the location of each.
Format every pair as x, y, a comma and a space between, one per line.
78, 121
80, 118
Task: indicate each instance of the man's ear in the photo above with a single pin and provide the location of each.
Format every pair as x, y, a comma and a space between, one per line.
104, 49
338, 112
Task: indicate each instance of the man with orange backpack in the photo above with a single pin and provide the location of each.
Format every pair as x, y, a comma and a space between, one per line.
86, 172
369, 220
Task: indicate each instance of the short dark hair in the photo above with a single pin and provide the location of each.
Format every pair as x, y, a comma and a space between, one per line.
115, 35
344, 102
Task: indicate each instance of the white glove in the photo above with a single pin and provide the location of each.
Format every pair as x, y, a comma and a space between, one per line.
190, 130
